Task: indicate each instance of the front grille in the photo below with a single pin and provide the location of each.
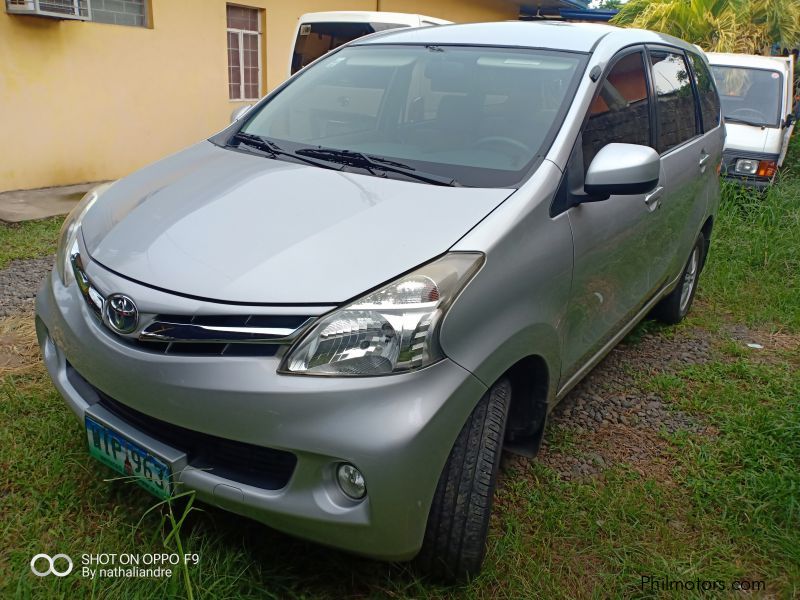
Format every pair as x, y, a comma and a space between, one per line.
221, 348
204, 335
260, 467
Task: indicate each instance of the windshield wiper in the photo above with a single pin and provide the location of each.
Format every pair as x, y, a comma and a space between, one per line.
744, 122
274, 150
375, 163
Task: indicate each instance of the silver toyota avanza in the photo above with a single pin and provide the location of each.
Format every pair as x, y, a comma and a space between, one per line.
333, 315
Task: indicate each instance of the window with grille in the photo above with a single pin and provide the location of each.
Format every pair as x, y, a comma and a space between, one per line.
244, 53
120, 12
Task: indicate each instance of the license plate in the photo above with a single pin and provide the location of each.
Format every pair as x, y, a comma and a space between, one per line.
115, 451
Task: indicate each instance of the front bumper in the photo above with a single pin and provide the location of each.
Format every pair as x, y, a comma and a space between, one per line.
398, 430
749, 182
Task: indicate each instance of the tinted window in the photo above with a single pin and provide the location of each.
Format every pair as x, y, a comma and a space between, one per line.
620, 112
751, 96
316, 39
675, 105
483, 116
709, 100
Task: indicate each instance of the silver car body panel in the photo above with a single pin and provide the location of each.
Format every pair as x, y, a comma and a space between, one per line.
235, 227
211, 231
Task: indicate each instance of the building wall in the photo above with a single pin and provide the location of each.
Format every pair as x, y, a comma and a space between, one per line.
83, 101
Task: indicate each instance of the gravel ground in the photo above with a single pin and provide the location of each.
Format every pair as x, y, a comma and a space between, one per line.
611, 420
19, 283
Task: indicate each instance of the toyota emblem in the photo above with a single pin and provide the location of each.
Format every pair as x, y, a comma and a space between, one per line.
121, 313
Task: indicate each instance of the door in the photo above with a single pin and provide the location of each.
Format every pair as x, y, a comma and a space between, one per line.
613, 239
687, 162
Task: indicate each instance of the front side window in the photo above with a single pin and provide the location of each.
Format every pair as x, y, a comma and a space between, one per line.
675, 103
621, 111
244, 53
482, 116
709, 99
749, 96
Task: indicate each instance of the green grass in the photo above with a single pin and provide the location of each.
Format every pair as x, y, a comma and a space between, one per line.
754, 270
725, 507
30, 239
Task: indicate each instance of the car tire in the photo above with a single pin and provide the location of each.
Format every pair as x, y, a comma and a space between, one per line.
455, 537
674, 307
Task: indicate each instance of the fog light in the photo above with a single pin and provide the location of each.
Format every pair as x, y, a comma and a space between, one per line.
351, 481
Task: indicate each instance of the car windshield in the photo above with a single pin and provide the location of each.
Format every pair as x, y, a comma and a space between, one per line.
481, 116
751, 96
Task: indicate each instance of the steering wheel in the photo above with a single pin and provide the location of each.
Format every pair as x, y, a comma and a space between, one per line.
746, 113
509, 142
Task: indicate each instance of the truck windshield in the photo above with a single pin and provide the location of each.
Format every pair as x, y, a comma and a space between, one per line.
750, 96
315, 39
481, 116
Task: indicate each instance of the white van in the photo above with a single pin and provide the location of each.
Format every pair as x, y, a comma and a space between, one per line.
760, 111
320, 32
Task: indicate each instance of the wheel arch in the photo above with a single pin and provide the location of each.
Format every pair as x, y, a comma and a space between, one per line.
527, 414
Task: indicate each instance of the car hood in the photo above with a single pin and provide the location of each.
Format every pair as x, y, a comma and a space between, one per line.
750, 138
234, 227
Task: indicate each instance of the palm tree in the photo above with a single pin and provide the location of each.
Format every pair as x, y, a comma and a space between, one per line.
749, 26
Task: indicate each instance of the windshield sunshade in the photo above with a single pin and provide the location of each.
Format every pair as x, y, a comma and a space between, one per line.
481, 117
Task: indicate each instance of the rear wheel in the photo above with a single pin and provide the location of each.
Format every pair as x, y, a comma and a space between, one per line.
458, 522
674, 307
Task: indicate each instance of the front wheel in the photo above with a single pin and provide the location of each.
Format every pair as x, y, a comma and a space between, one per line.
458, 522
674, 307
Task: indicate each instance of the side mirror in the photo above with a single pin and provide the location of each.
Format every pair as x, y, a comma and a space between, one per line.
622, 169
240, 112
790, 118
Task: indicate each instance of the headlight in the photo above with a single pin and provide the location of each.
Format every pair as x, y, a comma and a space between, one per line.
391, 330
759, 168
746, 166
68, 236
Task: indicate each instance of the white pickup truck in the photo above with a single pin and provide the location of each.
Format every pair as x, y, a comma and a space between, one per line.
319, 33
760, 110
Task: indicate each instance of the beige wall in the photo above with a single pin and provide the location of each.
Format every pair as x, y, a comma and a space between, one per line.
90, 101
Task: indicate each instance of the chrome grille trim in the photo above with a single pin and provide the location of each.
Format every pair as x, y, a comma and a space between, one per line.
164, 331
184, 334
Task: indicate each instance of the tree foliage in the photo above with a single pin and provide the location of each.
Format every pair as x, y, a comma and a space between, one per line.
747, 26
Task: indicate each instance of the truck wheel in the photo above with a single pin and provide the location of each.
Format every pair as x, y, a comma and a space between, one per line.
455, 538
674, 307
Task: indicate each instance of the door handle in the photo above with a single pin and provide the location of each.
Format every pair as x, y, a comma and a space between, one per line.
703, 160
653, 199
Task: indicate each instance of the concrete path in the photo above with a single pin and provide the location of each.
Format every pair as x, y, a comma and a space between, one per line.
29, 205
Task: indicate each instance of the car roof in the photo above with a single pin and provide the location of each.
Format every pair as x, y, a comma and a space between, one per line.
774, 63
555, 35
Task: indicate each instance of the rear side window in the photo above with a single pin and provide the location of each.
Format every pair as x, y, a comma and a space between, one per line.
621, 111
709, 99
675, 104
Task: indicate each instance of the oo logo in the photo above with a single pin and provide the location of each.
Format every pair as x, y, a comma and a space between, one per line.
51, 565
